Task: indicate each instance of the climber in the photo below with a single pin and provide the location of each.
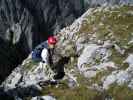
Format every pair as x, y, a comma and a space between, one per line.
48, 51
44, 52
41, 52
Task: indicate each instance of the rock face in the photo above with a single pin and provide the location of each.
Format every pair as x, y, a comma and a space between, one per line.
99, 48
26, 23
98, 45
103, 50
28, 74
93, 3
15, 34
43, 98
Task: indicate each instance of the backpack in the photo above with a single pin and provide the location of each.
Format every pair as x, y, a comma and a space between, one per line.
36, 53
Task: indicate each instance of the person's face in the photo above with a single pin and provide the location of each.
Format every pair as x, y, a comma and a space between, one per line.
51, 46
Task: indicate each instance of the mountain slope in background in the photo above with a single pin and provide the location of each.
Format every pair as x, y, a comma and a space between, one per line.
26, 23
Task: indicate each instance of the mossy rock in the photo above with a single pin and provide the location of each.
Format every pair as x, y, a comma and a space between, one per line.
120, 92
30, 64
116, 21
78, 93
98, 78
117, 58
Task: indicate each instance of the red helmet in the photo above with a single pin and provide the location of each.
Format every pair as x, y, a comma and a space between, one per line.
52, 40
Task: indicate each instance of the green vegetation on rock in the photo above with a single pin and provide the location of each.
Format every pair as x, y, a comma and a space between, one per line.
118, 58
105, 23
79, 93
30, 64
120, 92
110, 23
98, 78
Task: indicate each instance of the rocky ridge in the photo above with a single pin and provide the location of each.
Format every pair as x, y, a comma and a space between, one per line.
99, 46
26, 23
